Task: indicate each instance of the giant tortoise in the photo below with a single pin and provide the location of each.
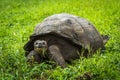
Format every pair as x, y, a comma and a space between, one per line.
62, 38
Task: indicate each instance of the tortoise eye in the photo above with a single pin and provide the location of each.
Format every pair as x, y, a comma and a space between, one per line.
43, 43
36, 43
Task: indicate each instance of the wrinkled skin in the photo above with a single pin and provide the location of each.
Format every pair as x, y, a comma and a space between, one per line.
58, 50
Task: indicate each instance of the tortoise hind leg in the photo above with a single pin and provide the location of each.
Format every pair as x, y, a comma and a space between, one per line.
105, 39
56, 55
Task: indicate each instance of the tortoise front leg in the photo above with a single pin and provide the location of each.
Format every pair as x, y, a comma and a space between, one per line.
56, 55
33, 56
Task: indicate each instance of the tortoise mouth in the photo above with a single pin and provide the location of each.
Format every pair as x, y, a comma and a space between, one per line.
40, 49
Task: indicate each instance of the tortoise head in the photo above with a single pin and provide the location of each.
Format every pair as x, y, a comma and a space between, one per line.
40, 46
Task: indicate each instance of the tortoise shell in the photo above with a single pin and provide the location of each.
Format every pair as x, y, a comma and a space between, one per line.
77, 30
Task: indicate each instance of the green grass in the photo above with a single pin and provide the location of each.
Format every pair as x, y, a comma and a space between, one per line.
18, 19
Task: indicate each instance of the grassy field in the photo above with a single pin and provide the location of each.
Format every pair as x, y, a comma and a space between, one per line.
18, 19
